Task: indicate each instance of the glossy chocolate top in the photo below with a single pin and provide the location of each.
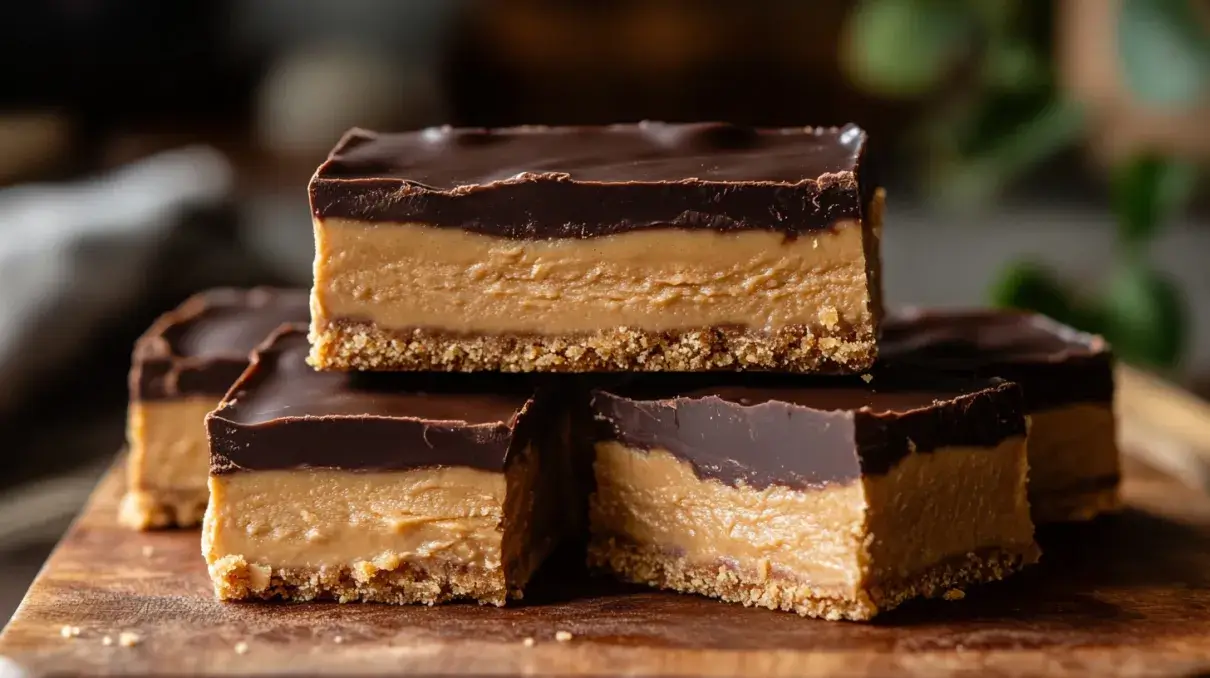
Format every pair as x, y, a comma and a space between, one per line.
202, 346
282, 414
805, 432
581, 182
1054, 364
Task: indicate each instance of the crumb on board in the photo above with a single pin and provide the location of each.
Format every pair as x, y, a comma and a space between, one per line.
338, 640
129, 639
70, 631
867, 378
107, 640
563, 636
241, 647
148, 551
953, 594
528, 642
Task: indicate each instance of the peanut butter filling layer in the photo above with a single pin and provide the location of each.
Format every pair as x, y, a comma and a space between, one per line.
403, 276
366, 521
837, 540
1073, 462
168, 463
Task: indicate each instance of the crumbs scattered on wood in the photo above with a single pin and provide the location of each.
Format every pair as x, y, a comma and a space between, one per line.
953, 594
241, 648
70, 631
129, 639
563, 636
528, 642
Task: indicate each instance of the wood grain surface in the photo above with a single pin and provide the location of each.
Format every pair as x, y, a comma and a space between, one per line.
1129, 596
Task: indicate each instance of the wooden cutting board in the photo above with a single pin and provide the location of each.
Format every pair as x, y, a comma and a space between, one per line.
1124, 596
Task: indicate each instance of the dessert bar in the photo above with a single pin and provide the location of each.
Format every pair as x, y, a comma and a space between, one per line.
646, 247
1067, 380
396, 488
181, 368
831, 498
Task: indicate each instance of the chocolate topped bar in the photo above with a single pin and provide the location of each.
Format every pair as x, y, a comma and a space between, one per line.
584, 182
650, 247
202, 346
832, 498
282, 414
1066, 377
1053, 363
395, 488
181, 367
740, 433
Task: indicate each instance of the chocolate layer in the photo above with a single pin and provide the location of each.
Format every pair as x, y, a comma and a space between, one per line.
1054, 364
582, 182
806, 432
282, 414
202, 346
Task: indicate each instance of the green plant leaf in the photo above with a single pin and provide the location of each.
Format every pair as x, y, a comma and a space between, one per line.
1029, 286
904, 48
1147, 192
1164, 51
1015, 65
978, 178
1145, 316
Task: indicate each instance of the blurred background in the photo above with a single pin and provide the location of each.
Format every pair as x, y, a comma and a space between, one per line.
1042, 154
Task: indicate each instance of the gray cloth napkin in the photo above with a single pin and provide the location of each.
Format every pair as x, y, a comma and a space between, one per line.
75, 254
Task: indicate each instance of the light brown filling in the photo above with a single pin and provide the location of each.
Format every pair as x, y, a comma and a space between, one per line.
367, 521
168, 446
1070, 446
402, 276
931, 506
946, 503
655, 498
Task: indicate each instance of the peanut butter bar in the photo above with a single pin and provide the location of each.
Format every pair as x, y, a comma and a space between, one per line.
180, 370
1067, 379
395, 488
833, 499
646, 247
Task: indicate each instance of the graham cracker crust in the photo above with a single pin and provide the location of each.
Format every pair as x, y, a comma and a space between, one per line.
1080, 503
658, 568
355, 345
236, 579
151, 509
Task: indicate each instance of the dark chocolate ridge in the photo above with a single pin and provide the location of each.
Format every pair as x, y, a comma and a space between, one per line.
158, 370
790, 445
353, 442
549, 201
1055, 365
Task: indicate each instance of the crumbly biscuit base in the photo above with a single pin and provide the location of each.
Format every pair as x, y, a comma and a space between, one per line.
153, 509
1079, 504
353, 345
658, 568
236, 579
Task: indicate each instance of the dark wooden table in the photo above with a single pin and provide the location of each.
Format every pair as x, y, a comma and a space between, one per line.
1126, 596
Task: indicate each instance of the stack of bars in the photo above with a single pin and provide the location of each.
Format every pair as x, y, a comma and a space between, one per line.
658, 340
